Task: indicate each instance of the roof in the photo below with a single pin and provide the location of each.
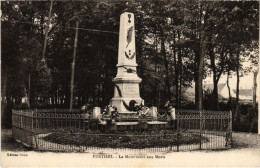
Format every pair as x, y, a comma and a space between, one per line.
244, 92
191, 90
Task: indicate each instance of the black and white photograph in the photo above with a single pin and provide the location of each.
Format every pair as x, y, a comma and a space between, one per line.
130, 83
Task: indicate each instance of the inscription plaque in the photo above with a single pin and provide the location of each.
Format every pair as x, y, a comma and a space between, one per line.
131, 90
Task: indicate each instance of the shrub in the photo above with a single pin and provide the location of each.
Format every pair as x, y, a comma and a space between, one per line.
125, 139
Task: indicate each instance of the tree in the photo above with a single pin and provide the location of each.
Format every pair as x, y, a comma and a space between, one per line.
176, 43
243, 34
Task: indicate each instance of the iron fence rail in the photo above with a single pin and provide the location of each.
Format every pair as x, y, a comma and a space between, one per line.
192, 130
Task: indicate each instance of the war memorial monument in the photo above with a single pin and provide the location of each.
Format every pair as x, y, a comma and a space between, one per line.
126, 121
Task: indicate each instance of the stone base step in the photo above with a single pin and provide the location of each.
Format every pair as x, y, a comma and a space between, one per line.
156, 123
126, 123
136, 123
130, 113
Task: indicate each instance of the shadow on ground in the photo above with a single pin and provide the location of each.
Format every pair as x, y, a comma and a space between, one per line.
9, 144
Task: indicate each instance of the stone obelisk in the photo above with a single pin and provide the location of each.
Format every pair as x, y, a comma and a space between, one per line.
126, 81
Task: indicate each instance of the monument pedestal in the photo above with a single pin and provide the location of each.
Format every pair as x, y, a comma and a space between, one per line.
126, 89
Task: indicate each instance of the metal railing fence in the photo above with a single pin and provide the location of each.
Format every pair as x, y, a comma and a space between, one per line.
65, 130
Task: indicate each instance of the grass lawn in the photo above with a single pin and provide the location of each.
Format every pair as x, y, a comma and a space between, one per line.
245, 153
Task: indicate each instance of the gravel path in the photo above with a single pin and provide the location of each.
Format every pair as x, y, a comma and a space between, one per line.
246, 140
245, 153
9, 144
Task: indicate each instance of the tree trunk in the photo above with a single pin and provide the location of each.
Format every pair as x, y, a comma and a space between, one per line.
159, 98
36, 98
176, 73
258, 95
215, 82
215, 95
105, 92
73, 65
62, 99
94, 96
29, 92
4, 86
180, 78
156, 50
237, 91
83, 99
52, 100
167, 82
229, 92
200, 73
155, 87
141, 68
55, 98
254, 89
46, 32
196, 72
99, 91
178, 84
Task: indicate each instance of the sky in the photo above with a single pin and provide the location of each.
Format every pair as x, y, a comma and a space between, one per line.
246, 82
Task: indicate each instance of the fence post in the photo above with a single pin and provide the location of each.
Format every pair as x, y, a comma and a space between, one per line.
230, 115
178, 129
21, 120
35, 141
200, 128
32, 121
13, 120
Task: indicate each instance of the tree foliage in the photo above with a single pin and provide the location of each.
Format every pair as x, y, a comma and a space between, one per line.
176, 43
